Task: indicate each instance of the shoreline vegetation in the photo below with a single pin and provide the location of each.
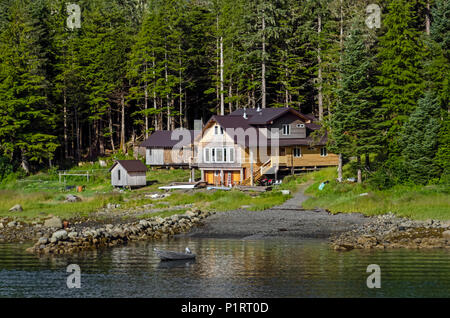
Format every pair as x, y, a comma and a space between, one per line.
412, 202
356, 216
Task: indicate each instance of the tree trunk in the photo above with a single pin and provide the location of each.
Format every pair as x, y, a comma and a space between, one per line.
155, 105
166, 75
222, 99
230, 96
359, 170
367, 158
340, 164
427, 18
24, 163
180, 90
146, 104
66, 145
77, 133
101, 138
122, 124
263, 63
111, 135
319, 76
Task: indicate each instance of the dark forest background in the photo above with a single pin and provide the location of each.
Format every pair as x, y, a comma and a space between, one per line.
135, 66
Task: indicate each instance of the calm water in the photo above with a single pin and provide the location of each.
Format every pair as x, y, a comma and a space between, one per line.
227, 268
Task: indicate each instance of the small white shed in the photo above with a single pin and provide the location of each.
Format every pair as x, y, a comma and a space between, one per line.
128, 173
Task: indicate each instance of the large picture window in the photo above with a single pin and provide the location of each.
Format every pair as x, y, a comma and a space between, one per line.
219, 155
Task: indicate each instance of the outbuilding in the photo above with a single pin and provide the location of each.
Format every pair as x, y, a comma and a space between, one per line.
128, 173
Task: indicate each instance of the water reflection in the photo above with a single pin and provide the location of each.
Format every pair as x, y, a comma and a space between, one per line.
227, 268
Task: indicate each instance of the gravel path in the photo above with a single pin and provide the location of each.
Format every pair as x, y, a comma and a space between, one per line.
288, 220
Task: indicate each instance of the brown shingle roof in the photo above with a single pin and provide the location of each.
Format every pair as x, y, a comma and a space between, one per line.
131, 165
163, 139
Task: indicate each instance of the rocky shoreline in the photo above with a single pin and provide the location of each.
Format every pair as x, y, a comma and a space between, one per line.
71, 240
389, 231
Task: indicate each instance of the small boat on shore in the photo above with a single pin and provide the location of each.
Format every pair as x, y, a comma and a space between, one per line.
174, 256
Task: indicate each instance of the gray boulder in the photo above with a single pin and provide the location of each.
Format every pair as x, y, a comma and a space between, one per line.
60, 235
72, 198
12, 224
446, 234
72, 235
54, 222
16, 208
43, 240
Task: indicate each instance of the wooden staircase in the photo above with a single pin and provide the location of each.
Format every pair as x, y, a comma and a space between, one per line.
260, 171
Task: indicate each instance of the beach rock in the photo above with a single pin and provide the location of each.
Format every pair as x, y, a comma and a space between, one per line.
1, 226
60, 235
12, 224
72, 198
190, 213
54, 222
16, 208
72, 235
43, 240
446, 234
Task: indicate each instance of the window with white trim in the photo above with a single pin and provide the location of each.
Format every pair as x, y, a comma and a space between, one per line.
218, 130
286, 129
207, 157
219, 154
323, 151
297, 152
230, 154
300, 125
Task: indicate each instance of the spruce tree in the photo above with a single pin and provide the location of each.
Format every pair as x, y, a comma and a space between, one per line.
400, 54
420, 140
26, 120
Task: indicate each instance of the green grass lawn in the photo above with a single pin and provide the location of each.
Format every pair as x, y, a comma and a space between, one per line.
415, 202
41, 195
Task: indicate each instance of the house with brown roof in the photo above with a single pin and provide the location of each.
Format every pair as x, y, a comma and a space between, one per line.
165, 148
128, 173
247, 144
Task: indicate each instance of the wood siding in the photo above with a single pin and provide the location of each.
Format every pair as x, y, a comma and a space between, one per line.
163, 157
309, 158
292, 120
132, 179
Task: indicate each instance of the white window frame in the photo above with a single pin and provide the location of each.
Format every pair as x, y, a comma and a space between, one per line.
300, 125
322, 151
206, 155
299, 152
231, 155
219, 150
218, 130
286, 129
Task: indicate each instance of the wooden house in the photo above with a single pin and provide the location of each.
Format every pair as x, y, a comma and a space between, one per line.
128, 173
242, 147
166, 148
